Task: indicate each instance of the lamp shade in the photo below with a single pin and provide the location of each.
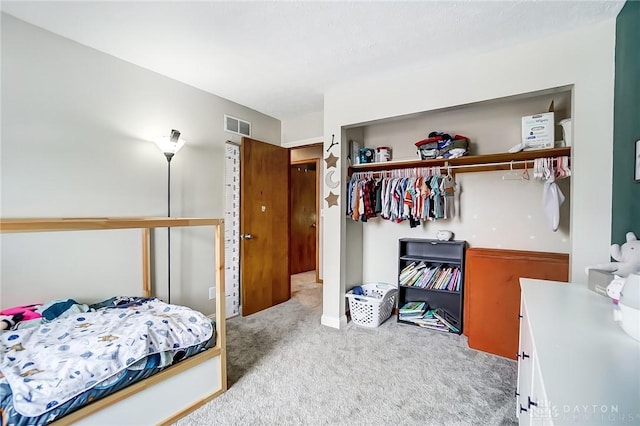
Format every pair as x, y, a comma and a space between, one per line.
171, 144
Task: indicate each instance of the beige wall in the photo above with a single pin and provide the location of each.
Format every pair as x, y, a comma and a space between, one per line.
302, 129
77, 126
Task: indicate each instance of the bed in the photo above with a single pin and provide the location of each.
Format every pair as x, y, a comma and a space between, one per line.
154, 388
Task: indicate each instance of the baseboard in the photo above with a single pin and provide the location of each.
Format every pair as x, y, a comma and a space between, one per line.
333, 322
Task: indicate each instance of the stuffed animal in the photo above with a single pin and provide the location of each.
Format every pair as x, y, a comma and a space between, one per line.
627, 256
6, 322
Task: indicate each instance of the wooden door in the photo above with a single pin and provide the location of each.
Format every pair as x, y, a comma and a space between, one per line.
492, 294
303, 216
264, 225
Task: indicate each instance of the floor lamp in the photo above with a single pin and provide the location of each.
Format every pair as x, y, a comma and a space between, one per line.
169, 145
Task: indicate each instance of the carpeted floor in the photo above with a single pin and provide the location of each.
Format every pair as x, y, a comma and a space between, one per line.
286, 368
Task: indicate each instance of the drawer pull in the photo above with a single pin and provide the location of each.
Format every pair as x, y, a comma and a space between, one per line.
530, 402
516, 393
524, 355
522, 409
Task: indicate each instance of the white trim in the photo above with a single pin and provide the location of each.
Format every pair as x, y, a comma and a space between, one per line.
302, 142
334, 322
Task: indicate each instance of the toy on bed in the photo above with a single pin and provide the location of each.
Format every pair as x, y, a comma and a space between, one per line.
11, 316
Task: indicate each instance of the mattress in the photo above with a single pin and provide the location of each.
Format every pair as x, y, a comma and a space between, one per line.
34, 384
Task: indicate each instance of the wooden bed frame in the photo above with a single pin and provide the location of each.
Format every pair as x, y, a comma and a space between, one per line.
176, 391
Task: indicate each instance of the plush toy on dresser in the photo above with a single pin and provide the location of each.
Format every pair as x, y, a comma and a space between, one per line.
624, 289
627, 256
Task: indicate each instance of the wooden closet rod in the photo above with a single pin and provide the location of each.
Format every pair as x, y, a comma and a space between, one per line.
504, 165
513, 163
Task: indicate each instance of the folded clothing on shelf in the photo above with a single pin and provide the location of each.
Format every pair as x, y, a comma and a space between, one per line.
442, 145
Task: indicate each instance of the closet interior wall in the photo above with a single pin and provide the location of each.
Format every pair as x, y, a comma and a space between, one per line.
492, 213
354, 267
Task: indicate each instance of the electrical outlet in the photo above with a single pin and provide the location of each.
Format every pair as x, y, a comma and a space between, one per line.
212, 293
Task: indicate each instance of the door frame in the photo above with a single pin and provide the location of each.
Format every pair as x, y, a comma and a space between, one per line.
315, 161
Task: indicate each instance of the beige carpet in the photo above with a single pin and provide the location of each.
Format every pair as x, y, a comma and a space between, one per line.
286, 368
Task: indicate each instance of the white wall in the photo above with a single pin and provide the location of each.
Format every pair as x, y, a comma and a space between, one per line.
583, 58
77, 126
302, 129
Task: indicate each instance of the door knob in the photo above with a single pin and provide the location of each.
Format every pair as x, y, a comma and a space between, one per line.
313, 225
246, 236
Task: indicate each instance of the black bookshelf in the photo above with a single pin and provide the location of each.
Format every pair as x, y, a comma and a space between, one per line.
448, 256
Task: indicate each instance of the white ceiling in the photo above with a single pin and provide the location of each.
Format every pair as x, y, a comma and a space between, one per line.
278, 57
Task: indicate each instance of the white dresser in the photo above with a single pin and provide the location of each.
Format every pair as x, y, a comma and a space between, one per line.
575, 364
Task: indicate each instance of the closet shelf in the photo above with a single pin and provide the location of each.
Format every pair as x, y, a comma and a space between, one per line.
441, 259
432, 289
476, 163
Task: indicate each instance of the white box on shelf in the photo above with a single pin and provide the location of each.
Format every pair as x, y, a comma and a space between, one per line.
538, 131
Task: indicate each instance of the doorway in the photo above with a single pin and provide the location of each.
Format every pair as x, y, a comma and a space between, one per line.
304, 237
304, 215
265, 230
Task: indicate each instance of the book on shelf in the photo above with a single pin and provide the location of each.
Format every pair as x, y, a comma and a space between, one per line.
434, 277
410, 271
413, 281
409, 276
408, 267
446, 319
435, 319
437, 327
427, 276
413, 308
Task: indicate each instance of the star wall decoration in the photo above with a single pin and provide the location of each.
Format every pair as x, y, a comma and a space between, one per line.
331, 160
332, 199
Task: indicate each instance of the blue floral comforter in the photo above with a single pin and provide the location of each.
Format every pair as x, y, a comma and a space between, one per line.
51, 364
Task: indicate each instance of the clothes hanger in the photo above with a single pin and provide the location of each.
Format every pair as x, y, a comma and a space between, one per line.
537, 168
560, 172
525, 173
547, 172
564, 160
511, 174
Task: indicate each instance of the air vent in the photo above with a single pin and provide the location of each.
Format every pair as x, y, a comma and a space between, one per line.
235, 125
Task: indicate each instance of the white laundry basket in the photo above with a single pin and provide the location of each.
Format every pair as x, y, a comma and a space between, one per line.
375, 306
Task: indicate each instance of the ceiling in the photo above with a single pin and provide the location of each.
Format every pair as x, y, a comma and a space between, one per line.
279, 57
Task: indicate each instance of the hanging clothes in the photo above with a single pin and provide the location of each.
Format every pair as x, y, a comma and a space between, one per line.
415, 198
552, 199
448, 187
552, 196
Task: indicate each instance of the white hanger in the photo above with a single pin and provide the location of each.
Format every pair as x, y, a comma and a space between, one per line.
511, 174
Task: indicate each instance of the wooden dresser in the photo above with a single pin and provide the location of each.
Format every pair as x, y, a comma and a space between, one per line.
492, 294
